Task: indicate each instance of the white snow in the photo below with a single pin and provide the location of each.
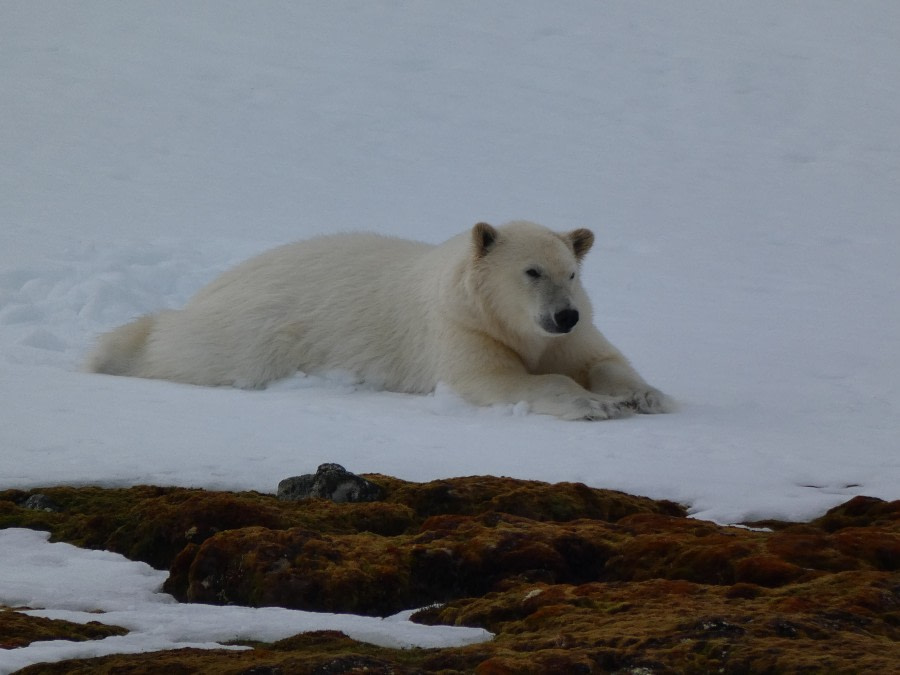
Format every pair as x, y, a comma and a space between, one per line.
83, 586
739, 163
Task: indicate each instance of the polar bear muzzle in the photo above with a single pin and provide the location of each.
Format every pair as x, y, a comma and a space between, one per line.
566, 319
561, 322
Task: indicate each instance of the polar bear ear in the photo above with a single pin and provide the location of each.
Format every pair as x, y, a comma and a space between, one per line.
582, 239
484, 237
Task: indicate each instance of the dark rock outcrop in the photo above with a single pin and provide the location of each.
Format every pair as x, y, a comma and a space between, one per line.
330, 481
39, 502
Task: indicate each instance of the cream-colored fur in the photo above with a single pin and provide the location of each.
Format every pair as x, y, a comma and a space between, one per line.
498, 314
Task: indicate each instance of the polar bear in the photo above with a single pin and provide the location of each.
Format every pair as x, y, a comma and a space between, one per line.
496, 313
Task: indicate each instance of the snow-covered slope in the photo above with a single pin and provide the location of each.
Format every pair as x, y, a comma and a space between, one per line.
740, 166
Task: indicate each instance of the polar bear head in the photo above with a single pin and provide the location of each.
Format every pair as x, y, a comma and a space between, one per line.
528, 276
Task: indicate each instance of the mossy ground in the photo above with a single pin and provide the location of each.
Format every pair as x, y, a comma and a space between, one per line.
570, 579
19, 630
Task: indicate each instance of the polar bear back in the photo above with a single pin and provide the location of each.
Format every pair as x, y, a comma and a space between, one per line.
353, 302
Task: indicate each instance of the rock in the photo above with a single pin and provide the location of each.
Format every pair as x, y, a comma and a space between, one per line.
40, 502
331, 481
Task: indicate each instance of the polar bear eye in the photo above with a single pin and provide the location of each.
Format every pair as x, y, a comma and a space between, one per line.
571, 276
533, 273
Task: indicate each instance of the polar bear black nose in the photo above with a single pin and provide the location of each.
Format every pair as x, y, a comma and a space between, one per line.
566, 319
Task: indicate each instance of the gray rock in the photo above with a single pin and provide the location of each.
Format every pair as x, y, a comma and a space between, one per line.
330, 481
39, 502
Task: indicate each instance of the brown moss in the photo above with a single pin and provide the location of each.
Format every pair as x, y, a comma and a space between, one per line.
154, 524
873, 547
20, 630
143, 523
570, 579
664, 547
677, 626
558, 502
860, 512
767, 570
319, 652
370, 574
809, 547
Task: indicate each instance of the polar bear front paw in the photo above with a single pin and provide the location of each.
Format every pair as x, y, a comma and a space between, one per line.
648, 402
598, 408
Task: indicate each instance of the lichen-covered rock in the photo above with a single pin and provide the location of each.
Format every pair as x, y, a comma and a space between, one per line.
39, 502
330, 481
